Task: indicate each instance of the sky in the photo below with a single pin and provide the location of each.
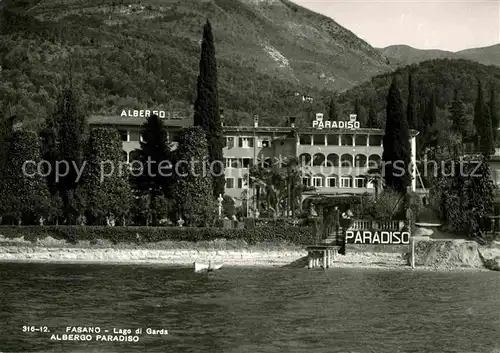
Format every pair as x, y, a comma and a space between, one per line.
445, 24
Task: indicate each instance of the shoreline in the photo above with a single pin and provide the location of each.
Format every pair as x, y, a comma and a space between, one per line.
336, 265
250, 257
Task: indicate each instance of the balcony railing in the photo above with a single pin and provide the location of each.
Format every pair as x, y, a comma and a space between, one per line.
361, 224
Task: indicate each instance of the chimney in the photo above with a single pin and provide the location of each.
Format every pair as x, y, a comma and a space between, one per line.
255, 121
319, 116
291, 120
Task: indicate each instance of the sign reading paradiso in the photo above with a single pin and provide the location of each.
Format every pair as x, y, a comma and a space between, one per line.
143, 113
351, 124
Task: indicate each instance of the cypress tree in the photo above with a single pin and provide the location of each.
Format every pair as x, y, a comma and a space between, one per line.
206, 108
483, 124
27, 195
494, 114
397, 149
157, 181
422, 120
63, 140
411, 109
360, 114
431, 111
332, 110
105, 182
372, 117
459, 121
6, 124
192, 189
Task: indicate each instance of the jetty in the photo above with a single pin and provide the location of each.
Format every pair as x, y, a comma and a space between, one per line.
321, 255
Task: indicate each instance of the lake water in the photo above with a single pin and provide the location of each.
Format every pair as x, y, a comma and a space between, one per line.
250, 310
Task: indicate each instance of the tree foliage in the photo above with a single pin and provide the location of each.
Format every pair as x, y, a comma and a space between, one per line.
193, 193
25, 194
458, 110
396, 142
107, 189
463, 194
494, 112
206, 108
156, 153
411, 108
483, 124
63, 139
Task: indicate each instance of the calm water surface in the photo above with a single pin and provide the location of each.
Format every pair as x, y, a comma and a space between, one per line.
251, 310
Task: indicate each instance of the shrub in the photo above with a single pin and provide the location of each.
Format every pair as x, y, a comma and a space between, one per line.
74, 234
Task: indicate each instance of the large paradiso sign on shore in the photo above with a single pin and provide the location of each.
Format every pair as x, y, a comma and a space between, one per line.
143, 113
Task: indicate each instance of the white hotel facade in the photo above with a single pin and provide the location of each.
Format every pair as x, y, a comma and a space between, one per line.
333, 159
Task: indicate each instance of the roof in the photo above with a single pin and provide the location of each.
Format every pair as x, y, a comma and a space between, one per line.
180, 123
134, 121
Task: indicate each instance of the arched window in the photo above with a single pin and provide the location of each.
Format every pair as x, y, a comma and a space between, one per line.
332, 160
374, 161
306, 180
360, 182
134, 155
346, 160
318, 181
346, 181
332, 181
318, 160
360, 161
305, 159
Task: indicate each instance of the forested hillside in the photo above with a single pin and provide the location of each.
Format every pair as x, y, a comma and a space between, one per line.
136, 55
439, 78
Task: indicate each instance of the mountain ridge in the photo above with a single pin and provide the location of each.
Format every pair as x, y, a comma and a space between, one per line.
402, 54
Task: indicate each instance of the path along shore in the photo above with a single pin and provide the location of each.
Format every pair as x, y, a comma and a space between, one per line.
442, 255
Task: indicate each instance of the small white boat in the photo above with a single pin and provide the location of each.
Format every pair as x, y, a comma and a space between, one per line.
199, 267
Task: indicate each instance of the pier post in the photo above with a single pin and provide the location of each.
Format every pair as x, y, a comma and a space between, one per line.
310, 261
412, 252
324, 259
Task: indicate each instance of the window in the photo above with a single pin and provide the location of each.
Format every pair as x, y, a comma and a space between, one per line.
360, 182
134, 136
360, 140
246, 162
346, 182
229, 183
123, 135
319, 140
347, 140
305, 139
241, 183
375, 140
173, 137
263, 143
245, 142
229, 142
331, 182
332, 140
306, 181
318, 181
229, 162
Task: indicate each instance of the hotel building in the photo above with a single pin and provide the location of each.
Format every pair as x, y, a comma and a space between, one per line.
331, 159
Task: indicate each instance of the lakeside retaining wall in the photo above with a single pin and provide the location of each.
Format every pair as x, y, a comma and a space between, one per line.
438, 254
